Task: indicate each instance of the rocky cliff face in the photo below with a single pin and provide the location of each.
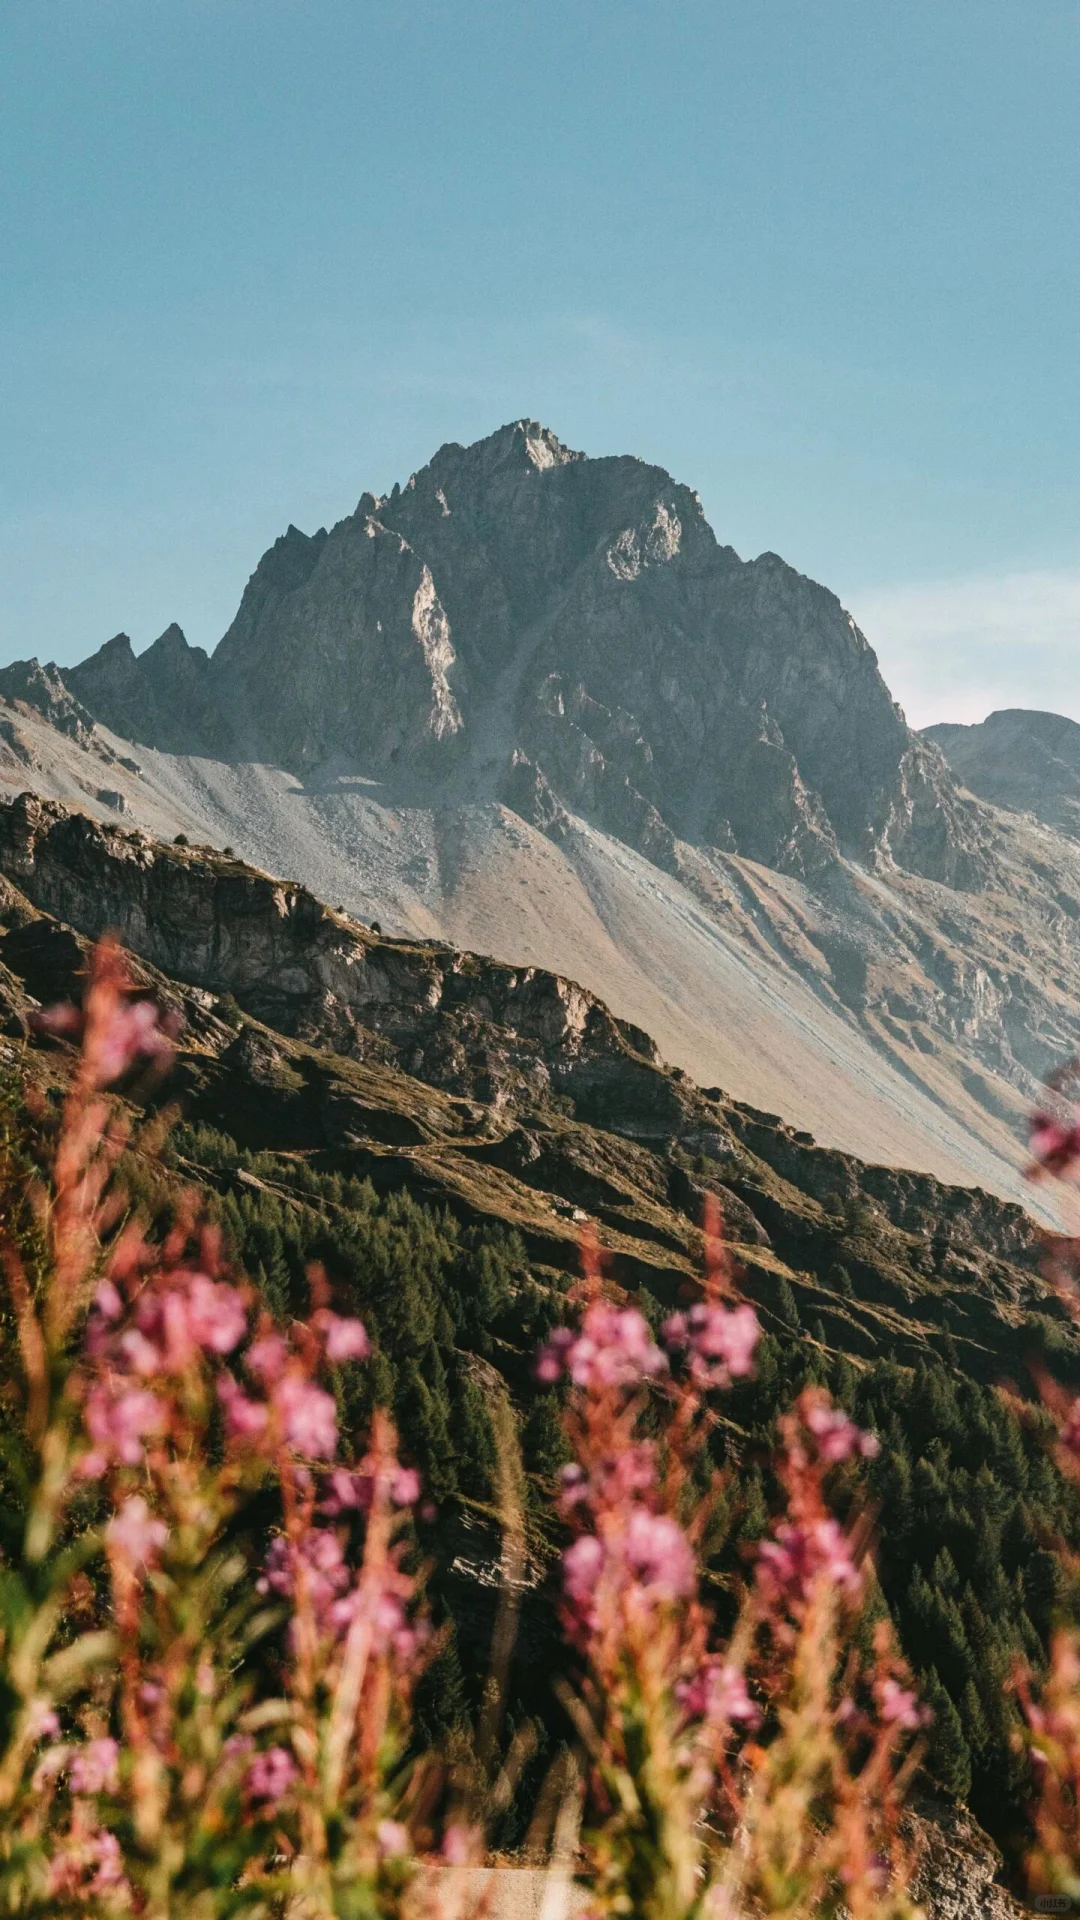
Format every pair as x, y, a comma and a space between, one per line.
28, 685
161, 699
1019, 759
522, 620
462, 1021
508, 1094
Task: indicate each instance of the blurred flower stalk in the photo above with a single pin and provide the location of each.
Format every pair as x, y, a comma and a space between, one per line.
182, 1506
212, 1619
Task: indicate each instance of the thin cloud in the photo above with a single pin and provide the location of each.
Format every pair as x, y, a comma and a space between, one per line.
958, 649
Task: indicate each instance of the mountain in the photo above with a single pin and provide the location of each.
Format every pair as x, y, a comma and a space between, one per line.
522, 622
528, 704
159, 699
1024, 760
508, 1093
436, 1128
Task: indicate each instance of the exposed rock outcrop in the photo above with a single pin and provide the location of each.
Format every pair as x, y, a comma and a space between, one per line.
509, 1093
1020, 759
162, 698
26, 683
518, 599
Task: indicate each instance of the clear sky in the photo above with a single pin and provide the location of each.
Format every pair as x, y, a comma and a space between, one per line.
821, 258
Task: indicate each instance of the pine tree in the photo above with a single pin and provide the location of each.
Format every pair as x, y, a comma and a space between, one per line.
787, 1306
948, 1756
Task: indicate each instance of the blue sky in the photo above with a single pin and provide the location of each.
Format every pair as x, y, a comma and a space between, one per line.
819, 258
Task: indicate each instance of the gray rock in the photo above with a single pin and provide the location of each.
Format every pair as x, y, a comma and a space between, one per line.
162, 699
27, 683
1024, 760
522, 621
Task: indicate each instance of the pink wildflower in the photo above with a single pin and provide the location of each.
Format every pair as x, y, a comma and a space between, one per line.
132, 1034
659, 1555
405, 1489
838, 1438
718, 1694
118, 1423
353, 1491
1054, 1143
132, 1031
582, 1565
217, 1316
87, 1864
789, 1565
107, 1300
94, 1767
191, 1314
615, 1480
245, 1419
899, 1706
267, 1357
573, 1486
721, 1340
613, 1349
649, 1561
392, 1839
271, 1774
135, 1534
459, 1846
139, 1353
43, 1721
344, 1339
729, 1699
63, 1020
346, 1493
323, 1563
551, 1359
308, 1417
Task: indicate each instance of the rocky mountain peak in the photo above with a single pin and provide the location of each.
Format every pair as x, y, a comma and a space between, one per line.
521, 443
173, 644
118, 648
158, 698
1021, 759
520, 619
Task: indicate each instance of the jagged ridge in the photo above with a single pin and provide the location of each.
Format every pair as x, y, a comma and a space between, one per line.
563, 630
510, 1094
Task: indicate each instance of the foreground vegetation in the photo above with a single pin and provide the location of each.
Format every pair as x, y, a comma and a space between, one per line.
286, 1484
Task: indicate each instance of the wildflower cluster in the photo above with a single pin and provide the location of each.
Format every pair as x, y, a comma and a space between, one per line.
152, 1764
761, 1770
1052, 1720
1051, 1710
214, 1624
810, 1548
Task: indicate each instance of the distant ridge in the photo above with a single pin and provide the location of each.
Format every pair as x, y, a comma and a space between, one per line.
1019, 758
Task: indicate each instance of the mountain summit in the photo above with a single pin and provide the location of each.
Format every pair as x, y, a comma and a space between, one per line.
522, 622
528, 704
